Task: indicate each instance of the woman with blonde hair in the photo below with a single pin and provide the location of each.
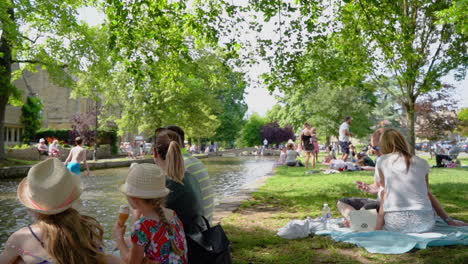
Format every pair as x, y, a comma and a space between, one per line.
185, 197
60, 235
406, 205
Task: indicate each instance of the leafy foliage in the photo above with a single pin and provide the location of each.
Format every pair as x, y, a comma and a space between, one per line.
436, 114
463, 119
84, 126
250, 134
31, 117
275, 134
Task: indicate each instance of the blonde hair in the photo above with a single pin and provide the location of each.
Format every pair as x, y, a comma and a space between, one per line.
392, 141
71, 238
168, 148
158, 204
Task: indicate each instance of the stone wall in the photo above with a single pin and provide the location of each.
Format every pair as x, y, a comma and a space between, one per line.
31, 153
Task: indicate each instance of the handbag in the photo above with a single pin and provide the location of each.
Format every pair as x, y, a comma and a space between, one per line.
210, 246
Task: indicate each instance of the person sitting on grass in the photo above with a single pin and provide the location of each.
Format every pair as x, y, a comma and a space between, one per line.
59, 234
364, 160
407, 204
330, 155
42, 147
291, 157
283, 155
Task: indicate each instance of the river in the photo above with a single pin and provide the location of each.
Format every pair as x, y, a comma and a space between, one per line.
101, 198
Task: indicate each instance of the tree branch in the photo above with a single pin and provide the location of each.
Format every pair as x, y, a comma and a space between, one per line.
27, 61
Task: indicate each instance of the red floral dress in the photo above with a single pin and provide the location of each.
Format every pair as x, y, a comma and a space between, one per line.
153, 235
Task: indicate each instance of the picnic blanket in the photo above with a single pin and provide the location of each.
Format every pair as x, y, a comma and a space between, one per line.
384, 242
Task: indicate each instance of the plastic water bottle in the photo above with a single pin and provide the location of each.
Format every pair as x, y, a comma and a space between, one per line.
326, 216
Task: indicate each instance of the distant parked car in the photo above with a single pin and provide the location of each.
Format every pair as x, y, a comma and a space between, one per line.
463, 146
418, 146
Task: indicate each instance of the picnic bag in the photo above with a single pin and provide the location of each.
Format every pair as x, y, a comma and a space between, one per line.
210, 246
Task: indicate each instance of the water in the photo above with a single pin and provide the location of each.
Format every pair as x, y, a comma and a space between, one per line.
101, 199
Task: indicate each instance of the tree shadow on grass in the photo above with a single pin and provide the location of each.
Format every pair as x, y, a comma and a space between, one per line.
258, 245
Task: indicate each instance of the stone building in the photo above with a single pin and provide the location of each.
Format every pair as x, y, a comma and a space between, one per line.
58, 108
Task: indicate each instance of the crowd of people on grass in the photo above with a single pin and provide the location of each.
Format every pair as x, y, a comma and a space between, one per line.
171, 200
401, 179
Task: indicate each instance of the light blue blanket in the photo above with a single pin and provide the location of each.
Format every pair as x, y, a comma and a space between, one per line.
383, 242
386, 242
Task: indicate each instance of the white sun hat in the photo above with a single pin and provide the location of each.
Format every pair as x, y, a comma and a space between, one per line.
50, 188
145, 181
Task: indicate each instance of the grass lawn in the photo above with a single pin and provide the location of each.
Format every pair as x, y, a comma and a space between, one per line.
292, 194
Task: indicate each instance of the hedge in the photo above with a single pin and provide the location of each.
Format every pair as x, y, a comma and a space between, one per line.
104, 137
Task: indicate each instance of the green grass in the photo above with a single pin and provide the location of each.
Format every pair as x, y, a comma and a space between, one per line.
292, 194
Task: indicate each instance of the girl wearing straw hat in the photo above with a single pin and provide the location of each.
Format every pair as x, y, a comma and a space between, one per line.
49, 191
159, 234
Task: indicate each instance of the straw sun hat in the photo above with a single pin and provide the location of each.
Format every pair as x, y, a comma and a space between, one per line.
50, 188
145, 181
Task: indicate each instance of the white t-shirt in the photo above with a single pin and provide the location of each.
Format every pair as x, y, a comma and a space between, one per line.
405, 191
343, 137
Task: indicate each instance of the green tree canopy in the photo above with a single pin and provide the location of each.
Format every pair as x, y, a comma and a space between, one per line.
39, 32
250, 134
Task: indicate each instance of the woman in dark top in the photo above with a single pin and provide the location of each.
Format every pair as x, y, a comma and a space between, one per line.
306, 143
185, 196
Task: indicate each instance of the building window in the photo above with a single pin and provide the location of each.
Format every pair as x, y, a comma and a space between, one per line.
9, 134
20, 136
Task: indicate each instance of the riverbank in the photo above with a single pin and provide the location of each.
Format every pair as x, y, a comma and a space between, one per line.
293, 194
20, 171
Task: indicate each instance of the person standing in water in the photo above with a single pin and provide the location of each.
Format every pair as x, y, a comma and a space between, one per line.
76, 156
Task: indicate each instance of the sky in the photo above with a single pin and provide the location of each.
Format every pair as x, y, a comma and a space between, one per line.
258, 98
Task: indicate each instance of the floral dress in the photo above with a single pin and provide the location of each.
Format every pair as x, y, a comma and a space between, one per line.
153, 235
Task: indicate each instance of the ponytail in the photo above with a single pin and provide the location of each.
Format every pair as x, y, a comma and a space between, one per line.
175, 162
169, 149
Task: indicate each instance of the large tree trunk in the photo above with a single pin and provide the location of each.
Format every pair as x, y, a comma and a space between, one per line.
5, 87
411, 117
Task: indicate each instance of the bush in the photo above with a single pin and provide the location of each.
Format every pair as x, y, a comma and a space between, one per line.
66, 136
23, 146
61, 135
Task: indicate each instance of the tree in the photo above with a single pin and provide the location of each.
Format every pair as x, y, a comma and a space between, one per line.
84, 126
250, 134
275, 134
463, 120
328, 84
163, 64
414, 42
411, 44
436, 114
31, 117
40, 32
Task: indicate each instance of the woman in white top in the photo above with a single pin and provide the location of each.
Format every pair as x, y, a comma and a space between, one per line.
406, 203
54, 149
